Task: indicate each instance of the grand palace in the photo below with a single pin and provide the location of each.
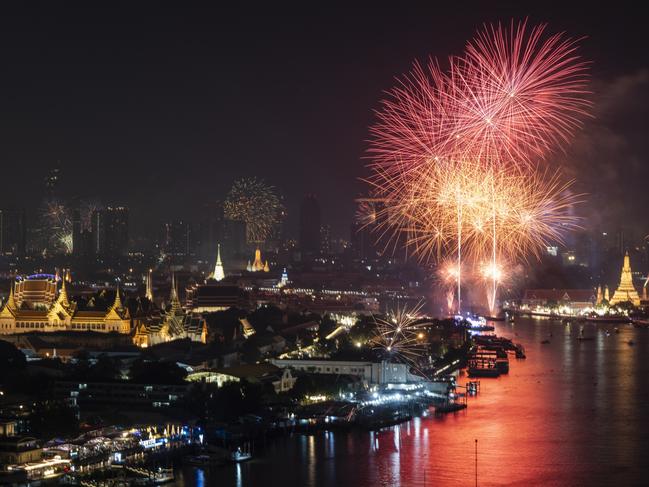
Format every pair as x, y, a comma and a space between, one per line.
40, 304
35, 305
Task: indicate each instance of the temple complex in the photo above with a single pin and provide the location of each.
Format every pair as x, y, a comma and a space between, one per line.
160, 326
258, 265
626, 291
33, 305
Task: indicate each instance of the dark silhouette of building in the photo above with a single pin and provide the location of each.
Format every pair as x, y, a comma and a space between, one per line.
110, 231
210, 230
234, 238
310, 226
12, 232
325, 239
178, 238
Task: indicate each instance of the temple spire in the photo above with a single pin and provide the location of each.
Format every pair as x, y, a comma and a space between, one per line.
257, 265
63, 294
118, 301
11, 300
218, 273
626, 291
175, 302
149, 285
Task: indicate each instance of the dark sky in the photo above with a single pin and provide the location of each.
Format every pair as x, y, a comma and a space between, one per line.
161, 107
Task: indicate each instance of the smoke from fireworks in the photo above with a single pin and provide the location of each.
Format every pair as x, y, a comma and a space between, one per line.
254, 202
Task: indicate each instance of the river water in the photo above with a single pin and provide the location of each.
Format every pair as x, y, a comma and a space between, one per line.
574, 413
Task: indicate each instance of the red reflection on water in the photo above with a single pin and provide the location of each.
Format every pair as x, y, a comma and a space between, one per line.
573, 413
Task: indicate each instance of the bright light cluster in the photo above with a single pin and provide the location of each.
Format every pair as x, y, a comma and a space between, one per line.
455, 152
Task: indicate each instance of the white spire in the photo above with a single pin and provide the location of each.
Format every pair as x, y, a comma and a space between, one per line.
149, 285
218, 273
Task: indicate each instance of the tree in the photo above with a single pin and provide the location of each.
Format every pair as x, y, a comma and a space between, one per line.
53, 418
11, 359
156, 372
106, 369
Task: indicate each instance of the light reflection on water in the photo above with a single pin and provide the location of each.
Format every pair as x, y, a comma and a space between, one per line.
574, 413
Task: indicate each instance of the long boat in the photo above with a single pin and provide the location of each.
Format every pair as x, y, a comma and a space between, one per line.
608, 319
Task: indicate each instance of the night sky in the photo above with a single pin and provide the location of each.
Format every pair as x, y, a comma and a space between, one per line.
160, 108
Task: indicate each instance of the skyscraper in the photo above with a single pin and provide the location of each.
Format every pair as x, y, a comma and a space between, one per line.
310, 226
178, 238
234, 238
12, 232
110, 231
325, 239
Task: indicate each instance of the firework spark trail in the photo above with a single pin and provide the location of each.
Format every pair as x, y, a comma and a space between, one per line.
454, 153
399, 335
254, 202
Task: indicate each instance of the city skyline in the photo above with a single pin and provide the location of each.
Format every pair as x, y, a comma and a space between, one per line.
304, 109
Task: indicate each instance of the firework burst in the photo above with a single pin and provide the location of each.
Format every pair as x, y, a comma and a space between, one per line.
254, 202
454, 152
400, 334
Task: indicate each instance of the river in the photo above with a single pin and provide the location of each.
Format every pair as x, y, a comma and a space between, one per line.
574, 413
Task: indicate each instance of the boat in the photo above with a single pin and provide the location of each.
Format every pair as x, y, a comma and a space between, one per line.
449, 407
380, 417
581, 336
519, 351
495, 318
638, 323
483, 363
608, 319
164, 475
241, 454
198, 460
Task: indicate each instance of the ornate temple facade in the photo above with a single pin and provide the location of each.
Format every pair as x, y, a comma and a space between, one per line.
34, 305
161, 326
258, 265
626, 290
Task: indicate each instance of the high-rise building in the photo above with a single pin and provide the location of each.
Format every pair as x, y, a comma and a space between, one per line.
12, 232
234, 238
310, 225
110, 231
210, 230
325, 239
178, 238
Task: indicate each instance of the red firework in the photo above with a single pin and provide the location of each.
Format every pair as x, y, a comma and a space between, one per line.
513, 97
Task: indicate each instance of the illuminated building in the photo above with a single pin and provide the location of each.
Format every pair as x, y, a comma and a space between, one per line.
575, 299
284, 279
218, 274
172, 324
258, 265
32, 306
212, 296
626, 291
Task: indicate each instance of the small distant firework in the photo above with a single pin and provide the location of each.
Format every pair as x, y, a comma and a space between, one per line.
365, 212
399, 334
56, 227
254, 202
